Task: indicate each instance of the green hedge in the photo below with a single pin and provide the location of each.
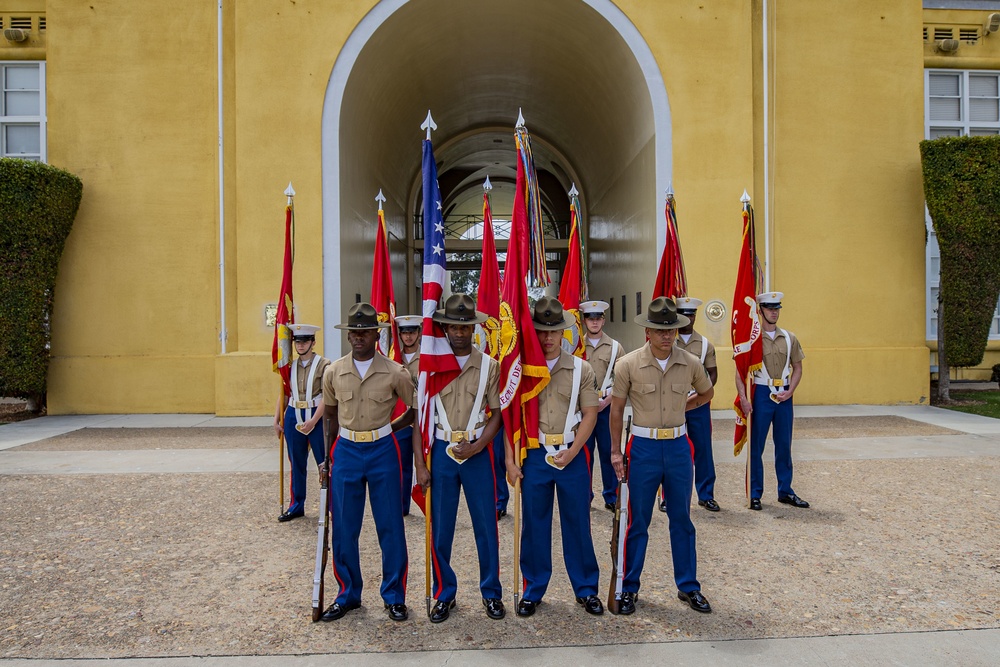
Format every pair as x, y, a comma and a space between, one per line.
37, 206
962, 189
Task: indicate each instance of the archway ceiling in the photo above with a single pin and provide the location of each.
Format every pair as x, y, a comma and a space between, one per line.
473, 64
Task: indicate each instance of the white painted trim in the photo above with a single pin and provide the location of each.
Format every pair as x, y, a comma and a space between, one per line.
223, 332
330, 142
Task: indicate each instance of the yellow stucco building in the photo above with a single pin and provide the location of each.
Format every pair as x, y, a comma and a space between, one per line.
186, 121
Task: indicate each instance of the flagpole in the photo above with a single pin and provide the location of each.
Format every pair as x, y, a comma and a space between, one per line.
290, 193
427, 536
745, 200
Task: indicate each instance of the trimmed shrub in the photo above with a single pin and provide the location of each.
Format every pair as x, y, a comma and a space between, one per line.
962, 189
37, 206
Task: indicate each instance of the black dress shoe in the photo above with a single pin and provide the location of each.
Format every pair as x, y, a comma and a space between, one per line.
696, 601
793, 500
441, 611
494, 608
662, 506
627, 605
526, 608
755, 503
592, 604
337, 610
501, 514
609, 506
710, 505
396, 611
288, 516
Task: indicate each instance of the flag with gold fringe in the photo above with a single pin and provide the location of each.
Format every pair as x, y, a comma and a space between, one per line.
523, 371
748, 349
573, 286
488, 298
383, 297
671, 281
281, 348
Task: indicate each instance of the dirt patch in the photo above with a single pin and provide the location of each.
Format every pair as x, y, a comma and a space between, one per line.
166, 565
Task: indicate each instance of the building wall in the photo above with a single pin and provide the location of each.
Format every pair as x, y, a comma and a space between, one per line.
132, 110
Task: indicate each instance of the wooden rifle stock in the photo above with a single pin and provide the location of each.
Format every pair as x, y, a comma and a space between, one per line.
618, 526
322, 544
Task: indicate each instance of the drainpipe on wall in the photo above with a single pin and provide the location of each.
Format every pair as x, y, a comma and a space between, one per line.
223, 332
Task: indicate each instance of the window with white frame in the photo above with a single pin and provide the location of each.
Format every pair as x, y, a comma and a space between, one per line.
22, 110
958, 103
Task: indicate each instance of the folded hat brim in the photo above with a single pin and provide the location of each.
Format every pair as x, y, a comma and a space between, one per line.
568, 321
682, 321
441, 318
362, 327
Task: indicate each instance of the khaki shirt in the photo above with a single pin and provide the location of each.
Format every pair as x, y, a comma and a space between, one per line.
776, 352
302, 374
659, 397
459, 395
553, 402
694, 346
413, 366
600, 356
365, 405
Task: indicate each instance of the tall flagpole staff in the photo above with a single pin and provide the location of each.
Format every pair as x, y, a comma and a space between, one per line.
286, 339
748, 379
517, 457
427, 125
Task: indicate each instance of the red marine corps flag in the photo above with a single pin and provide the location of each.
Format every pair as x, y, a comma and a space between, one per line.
523, 370
488, 301
281, 348
748, 349
671, 280
573, 288
383, 298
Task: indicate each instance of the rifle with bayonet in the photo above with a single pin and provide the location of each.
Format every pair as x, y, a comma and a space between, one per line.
618, 528
322, 542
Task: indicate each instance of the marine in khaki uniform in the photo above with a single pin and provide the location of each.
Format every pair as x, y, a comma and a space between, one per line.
297, 415
656, 378
462, 460
409, 338
560, 466
602, 353
772, 402
360, 391
699, 420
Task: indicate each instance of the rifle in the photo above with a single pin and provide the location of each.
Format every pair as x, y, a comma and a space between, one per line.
618, 527
322, 544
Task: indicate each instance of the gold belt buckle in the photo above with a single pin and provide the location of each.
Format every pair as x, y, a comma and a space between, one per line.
554, 439
301, 404
778, 383
458, 436
363, 436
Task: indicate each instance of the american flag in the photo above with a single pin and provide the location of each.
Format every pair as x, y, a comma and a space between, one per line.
438, 365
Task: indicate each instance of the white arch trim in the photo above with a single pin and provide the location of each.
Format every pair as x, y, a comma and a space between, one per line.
330, 141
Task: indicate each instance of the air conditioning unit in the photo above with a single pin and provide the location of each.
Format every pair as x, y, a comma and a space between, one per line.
992, 23
15, 34
947, 45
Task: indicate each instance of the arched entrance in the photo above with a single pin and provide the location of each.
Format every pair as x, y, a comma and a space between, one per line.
591, 94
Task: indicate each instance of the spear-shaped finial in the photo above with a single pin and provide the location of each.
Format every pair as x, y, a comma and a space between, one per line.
573, 192
428, 125
289, 192
520, 118
745, 199
670, 190
487, 185
380, 198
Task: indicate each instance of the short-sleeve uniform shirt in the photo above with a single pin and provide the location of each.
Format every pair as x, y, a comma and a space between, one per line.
776, 351
659, 396
413, 367
459, 395
366, 404
302, 376
695, 345
553, 402
599, 356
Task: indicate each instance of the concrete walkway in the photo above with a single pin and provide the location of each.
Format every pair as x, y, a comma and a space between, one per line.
978, 437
